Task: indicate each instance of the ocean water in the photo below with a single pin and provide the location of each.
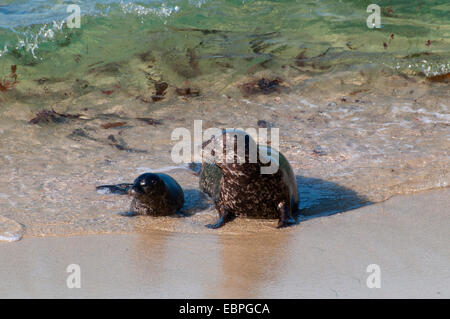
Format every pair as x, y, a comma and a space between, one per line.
363, 113
206, 38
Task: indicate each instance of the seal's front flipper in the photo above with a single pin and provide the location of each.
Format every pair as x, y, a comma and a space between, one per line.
182, 213
118, 189
195, 167
127, 214
285, 216
224, 217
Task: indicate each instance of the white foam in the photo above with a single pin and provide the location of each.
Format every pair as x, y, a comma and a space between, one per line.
426, 119
10, 230
103, 191
305, 102
10, 237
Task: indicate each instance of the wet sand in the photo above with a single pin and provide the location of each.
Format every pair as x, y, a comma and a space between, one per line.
407, 236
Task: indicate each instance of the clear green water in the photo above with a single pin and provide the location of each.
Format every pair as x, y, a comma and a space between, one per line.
198, 39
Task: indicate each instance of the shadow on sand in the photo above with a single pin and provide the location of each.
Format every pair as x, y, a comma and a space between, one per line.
319, 198
195, 201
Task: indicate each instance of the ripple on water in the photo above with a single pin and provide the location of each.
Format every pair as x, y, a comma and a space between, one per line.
10, 230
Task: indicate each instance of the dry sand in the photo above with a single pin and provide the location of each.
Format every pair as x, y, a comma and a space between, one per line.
407, 236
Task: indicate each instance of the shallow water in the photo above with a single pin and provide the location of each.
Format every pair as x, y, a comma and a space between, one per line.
358, 122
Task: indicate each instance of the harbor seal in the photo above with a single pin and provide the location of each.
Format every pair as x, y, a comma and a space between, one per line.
237, 185
155, 194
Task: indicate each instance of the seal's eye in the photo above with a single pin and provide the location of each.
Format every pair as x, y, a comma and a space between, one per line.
143, 183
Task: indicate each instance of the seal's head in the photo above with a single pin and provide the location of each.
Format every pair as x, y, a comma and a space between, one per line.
230, 146
234, 150
147, 184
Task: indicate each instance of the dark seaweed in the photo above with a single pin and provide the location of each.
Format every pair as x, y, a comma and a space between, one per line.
79, 132
160, 88
50, 116
113, 125
42, 81
299, 59
264, 124
439, 78
109, 68
149, 120
120, 144
302, 60
117, 143
146, 57
192, 57
187, 92
263, 85
417, 55
6, 84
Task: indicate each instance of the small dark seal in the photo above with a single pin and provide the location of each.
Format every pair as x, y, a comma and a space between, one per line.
238, 184
155, 194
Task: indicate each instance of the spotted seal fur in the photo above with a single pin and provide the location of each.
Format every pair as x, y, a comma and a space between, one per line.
237, 185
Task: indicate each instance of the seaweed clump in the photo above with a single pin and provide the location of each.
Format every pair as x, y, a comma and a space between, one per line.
160, 88
149, 121
190, 92
160, 92
113, 125
262, 86
8, 84
50, 116
439, 78
265, 124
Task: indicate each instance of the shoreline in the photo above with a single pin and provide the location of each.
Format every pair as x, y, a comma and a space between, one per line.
340, 152
327, 257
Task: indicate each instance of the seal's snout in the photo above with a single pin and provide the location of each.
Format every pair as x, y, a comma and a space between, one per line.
134, 191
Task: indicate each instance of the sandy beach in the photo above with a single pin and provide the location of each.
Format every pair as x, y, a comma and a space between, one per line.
406, 236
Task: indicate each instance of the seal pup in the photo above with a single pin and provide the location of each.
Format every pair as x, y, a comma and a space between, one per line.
238, 185
155, 194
